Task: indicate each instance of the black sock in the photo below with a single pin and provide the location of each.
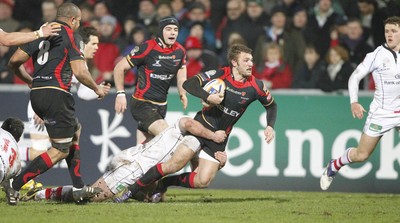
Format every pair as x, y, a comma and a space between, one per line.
184, 180
170, 181
36, 167
74, 163
153, 174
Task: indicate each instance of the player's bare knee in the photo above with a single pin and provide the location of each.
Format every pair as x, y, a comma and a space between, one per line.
202, 181
157, 127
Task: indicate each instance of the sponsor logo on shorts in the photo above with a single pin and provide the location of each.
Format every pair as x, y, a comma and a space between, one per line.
120, 187
375, 127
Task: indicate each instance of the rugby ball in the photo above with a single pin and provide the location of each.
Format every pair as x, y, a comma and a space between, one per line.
215, 86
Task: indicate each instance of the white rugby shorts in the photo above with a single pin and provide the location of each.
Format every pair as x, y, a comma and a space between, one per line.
380, 121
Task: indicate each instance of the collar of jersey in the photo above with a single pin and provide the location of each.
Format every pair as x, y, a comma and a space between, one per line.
63, 23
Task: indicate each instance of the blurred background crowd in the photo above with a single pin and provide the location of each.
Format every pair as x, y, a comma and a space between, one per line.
313, 44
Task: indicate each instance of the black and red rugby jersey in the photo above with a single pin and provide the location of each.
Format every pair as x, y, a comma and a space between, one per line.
238, 96
157, 66
51, 57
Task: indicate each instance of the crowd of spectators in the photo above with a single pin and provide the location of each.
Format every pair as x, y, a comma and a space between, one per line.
296, 43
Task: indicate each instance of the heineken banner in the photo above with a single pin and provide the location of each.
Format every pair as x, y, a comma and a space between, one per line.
311, 129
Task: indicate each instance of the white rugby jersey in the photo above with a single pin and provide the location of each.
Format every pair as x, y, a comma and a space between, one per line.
83, 91
159, 149
384, 64
9, 156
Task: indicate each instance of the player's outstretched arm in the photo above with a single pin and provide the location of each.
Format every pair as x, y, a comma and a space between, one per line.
19, 38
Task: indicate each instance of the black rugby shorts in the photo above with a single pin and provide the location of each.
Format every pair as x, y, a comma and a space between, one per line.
56, 108
145, 113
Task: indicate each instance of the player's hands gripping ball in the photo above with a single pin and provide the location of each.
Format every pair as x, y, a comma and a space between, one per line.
216, 89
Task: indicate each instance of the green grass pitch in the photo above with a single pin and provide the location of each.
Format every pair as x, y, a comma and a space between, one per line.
192, 206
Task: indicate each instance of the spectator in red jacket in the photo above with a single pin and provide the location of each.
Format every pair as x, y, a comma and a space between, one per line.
275, 72
108, 51
199, 59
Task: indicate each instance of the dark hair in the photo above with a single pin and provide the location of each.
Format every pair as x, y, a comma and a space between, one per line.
138, 28
341, 51
14, 126
369, 2
68, 10
395, 20
235, 50
311, 46
196, 5
86, 32
169, 20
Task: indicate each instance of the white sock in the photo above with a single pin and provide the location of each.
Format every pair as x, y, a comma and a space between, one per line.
341, 161
54, 194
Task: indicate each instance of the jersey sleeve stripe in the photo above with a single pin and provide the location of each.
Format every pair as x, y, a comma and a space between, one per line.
146, 52
72, 40
129, 61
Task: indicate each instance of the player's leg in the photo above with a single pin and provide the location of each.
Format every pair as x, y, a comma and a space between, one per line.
157, 127
179, 159
150, 119
58, 113
40, 141
364, 149
39, 145
42, 163
142, 137
154, 129
205, 173
73, 159
62, 193
38, 166
378, 123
